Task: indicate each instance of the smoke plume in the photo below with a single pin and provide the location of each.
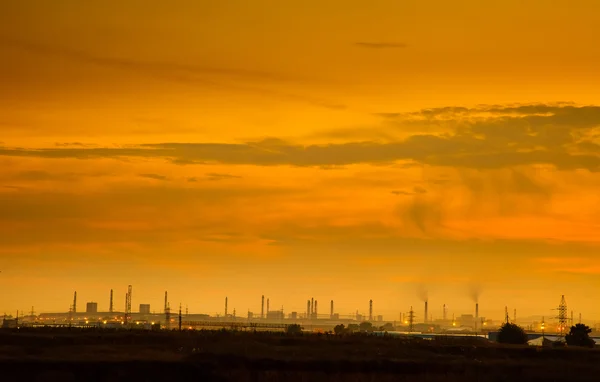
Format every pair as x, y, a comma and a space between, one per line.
474, 291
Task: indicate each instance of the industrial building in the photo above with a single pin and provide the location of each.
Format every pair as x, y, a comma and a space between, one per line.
91, 308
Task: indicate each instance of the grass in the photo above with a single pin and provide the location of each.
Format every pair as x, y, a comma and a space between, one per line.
93, 355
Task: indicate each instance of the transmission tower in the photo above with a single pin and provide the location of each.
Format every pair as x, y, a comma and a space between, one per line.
411, 319
562, 315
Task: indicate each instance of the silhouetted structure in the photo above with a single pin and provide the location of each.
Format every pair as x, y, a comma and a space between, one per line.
92, 307
166, 302
370, 310
128, 295
331, 311
110, 305
426, 312
225, 306
180, 317
262, 307
562, 315
411, 319
74, 302
144, 308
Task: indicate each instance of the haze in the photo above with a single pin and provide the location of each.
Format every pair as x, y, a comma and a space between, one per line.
328, 149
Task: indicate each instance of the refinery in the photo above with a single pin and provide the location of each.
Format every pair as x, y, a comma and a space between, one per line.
311, 320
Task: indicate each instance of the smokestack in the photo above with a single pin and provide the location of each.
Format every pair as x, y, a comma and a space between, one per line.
476, 310
444, 312
370, 310
110, 306
331, 312
262, 307
268, 307
426, 312
225, 307
316, 314
312, 306
308, 309
166, 301
75, 302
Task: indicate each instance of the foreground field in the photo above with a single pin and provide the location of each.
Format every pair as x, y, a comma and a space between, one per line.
225, 356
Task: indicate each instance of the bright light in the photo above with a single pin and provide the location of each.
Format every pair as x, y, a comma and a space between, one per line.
153, 323
87, 322
105, 322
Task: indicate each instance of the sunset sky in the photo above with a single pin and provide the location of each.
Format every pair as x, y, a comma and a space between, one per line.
335, 149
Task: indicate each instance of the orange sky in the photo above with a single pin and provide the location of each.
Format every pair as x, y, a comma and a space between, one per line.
297, 149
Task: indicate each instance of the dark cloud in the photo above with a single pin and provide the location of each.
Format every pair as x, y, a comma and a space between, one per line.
380, 45
419, 190
485, 143
154, 176
397, 192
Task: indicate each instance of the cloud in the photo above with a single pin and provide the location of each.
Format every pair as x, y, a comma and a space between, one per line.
474, 142
416, 190
154, 176
227, 78
380, 45
217, 176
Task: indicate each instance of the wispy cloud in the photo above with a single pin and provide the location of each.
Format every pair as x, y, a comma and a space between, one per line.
228, 78
217, 176
154, 176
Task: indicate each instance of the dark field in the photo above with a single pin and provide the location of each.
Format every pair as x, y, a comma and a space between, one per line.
62, 355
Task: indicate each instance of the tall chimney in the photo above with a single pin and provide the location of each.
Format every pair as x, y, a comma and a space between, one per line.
476, 310
268, 307
370, 310
225, 307
166, 301
75, 302
331, 312
308, 309
312, 306
426, 312
110, 306
444, 313
262, 307
316, 314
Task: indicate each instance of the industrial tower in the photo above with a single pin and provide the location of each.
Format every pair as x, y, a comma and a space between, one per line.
370, 310
331, 311
110, 306
75, 302
262, 307
127, 318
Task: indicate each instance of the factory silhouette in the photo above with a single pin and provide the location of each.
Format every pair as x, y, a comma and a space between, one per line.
277, 319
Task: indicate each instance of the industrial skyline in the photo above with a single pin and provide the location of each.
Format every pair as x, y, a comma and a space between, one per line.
408, 317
